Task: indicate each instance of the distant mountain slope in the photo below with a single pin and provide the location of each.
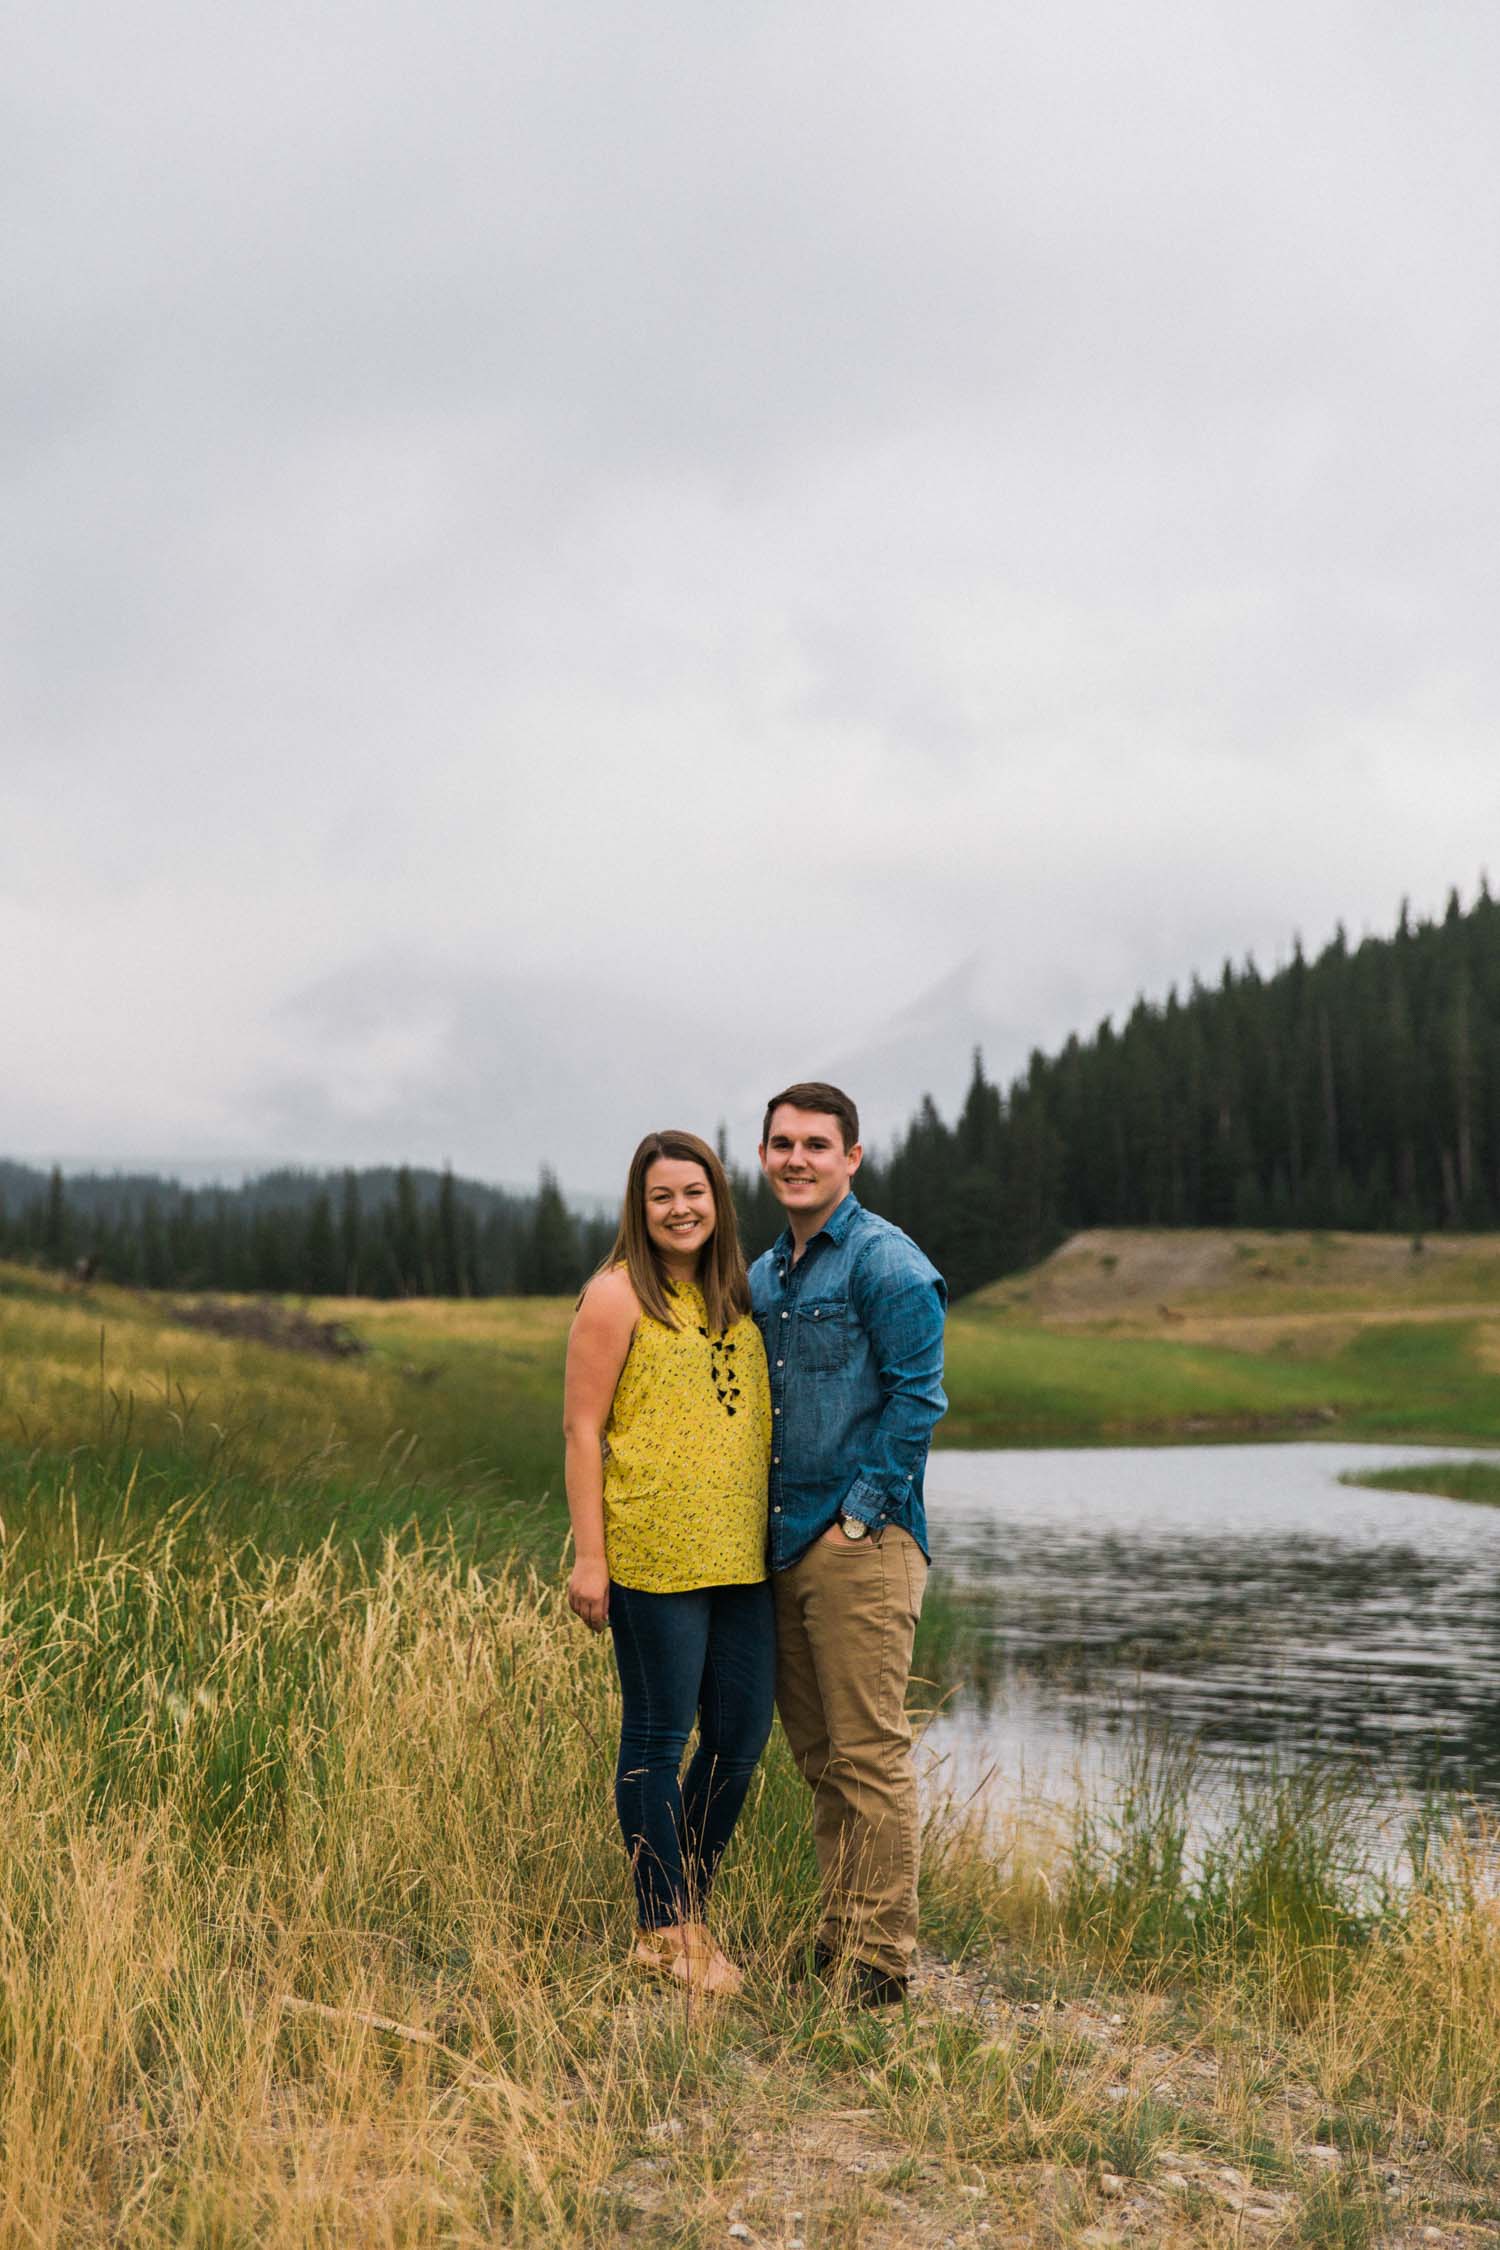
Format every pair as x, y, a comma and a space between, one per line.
106, 1193
1359, 1091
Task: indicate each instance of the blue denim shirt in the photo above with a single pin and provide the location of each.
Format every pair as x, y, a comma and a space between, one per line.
854, 1342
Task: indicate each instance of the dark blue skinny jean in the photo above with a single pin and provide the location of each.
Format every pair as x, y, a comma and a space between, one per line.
710, 1655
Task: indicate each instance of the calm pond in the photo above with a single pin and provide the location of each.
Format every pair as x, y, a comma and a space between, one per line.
1238, 1598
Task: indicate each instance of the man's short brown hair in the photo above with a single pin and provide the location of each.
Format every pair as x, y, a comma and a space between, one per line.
827, 1101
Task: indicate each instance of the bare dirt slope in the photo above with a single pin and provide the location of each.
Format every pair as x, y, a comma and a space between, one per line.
1155, 1277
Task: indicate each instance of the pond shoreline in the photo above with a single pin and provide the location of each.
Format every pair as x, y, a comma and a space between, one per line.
1254, 1604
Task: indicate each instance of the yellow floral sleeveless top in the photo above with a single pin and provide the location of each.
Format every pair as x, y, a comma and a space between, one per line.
688, 1454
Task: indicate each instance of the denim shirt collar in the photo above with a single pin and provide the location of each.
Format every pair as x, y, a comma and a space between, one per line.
834, 1228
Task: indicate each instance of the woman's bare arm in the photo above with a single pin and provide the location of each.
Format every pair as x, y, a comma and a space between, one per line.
598, 1346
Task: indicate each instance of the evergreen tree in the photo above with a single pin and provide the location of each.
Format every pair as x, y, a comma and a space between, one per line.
551, 1258
448, 1260
57, 1232
405, 1236
351, 1235
320, 1251
155, 1267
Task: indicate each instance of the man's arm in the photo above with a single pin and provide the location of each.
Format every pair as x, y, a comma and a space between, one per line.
901, 1311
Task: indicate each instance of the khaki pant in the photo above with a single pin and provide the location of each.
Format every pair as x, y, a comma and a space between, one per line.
846, 1615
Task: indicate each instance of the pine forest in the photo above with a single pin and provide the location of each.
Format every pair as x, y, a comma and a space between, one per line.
1357, 1090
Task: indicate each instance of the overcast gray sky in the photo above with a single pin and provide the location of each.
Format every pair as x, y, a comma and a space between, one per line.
563, 563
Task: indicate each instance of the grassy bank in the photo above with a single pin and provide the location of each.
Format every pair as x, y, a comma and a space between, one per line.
315, 1917
1131, 1336
1478, 1481
1430, 1382
1145, 1338
314, 1927
450, 1416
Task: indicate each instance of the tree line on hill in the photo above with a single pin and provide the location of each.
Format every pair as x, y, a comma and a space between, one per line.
381, 1232
1358, 1090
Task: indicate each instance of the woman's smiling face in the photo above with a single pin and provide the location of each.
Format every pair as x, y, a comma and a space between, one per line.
680, 1214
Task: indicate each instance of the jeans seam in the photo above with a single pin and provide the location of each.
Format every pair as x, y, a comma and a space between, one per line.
648, 1726
638, 1846
708, 1685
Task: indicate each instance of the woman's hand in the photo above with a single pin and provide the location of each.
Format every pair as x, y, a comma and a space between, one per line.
588, 1593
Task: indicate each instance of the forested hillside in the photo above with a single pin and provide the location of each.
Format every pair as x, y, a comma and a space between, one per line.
1358, 1090
382, 1232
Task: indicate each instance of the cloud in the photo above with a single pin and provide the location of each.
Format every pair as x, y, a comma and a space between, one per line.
710, 522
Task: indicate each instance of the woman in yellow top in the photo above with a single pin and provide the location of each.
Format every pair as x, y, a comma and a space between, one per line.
668, 1423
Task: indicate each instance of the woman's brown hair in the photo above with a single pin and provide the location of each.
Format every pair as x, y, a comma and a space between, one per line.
721, 1262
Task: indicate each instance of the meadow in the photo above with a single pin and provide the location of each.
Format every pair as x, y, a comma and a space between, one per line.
1154, 1335
315, 1919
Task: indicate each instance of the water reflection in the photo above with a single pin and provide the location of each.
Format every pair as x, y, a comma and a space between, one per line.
1237, 1597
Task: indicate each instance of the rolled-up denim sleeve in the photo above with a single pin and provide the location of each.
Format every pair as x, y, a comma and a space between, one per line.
902, 1314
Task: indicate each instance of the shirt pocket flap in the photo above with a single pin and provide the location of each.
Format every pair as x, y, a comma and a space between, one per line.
825, 1332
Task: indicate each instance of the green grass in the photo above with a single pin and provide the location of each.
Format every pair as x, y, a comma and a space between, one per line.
1009, 1385
1152, 1336
1013, 1384
315, 1919
451, 1420
1288, 1881
453, 1415
1430, 1384
1478, 1481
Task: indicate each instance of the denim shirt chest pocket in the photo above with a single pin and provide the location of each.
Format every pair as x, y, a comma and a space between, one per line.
825, 1334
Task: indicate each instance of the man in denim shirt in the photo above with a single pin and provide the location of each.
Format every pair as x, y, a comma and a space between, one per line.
852, 1317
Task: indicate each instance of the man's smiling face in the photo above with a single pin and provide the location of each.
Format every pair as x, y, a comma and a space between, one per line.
809, 1168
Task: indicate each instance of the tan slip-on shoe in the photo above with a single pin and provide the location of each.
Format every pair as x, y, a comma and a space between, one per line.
685, 1953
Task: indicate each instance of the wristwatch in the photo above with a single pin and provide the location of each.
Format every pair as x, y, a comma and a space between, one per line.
854, 1527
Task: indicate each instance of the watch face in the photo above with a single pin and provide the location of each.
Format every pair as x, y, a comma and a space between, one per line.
852, 1527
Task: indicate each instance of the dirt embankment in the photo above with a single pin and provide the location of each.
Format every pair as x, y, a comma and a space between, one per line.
266, 1320
1166, 1280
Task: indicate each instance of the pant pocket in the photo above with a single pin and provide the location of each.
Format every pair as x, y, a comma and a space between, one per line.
914, 1563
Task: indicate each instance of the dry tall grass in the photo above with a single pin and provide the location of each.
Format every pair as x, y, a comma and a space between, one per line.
314, 1924
313, 1918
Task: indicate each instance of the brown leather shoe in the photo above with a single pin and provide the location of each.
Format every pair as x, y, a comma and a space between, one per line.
878, 1988
820, 1961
